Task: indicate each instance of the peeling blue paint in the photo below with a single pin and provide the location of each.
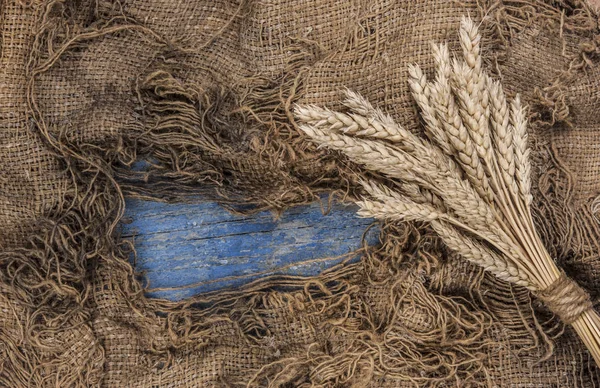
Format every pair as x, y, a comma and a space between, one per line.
183, 244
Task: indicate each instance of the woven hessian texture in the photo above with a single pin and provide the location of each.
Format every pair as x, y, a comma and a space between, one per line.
203, 90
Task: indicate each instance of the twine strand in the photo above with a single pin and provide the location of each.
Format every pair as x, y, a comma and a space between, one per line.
566, 299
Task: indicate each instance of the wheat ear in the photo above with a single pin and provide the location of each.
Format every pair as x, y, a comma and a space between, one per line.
518, 123
481, 255
502, 134
390, 202
421, 92
469, 86
373, 155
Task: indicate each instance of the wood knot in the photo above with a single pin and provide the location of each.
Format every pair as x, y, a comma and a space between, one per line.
566, 299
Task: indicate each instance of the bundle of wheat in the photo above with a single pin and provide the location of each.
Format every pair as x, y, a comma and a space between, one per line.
470, 180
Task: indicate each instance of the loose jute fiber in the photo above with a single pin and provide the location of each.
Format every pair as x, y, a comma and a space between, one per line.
204, 91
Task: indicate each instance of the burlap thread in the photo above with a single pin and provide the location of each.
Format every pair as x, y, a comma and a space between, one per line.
202, 90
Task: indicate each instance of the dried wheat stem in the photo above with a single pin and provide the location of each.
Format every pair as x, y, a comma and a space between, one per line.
469, 85
522, 180
522, 183
518, 218
588, 328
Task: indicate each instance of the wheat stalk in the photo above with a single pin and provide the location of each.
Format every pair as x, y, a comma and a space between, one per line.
471, 181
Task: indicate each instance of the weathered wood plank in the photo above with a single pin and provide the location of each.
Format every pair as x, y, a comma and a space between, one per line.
182, 244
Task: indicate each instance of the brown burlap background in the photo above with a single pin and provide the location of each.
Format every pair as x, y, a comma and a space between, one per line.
203, 89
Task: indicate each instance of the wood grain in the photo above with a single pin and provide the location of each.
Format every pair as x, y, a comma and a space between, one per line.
182, 244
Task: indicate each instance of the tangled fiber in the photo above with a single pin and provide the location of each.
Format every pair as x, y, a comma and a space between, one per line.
204, 92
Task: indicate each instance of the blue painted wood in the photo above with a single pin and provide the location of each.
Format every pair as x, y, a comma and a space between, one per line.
183, 244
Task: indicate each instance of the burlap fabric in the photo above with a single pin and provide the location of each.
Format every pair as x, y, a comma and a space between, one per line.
203, 90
